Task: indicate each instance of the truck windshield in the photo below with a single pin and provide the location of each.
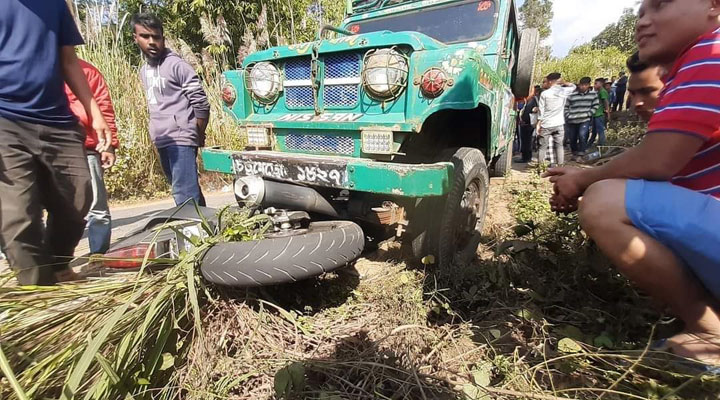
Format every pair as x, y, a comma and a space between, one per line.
453, 23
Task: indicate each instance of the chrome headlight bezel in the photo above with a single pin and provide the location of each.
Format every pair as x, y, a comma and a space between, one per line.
385, 73
263, 80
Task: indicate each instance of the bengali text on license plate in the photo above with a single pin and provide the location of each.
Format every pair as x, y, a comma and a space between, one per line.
306, 172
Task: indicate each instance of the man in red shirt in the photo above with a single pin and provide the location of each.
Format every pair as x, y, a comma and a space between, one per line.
98, 219
654, 210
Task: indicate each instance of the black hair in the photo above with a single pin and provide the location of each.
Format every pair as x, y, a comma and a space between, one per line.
554, 76
602, 80
585, 80
538, 87
635, 65
147, 20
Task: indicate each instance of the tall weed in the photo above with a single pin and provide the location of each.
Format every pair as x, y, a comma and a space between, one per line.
138, 173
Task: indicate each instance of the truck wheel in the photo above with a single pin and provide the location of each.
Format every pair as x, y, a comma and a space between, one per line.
525, 65
503, 163
322, 247
453, 224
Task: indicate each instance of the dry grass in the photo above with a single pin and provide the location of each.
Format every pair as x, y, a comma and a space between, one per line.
540, 316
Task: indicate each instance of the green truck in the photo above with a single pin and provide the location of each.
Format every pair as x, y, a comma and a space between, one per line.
396, 120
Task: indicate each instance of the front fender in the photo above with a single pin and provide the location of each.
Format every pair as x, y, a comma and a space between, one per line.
473, 83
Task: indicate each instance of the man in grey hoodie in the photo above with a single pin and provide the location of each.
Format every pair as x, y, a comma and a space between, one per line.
179, 109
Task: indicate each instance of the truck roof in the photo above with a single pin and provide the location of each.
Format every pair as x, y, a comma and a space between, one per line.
363, 6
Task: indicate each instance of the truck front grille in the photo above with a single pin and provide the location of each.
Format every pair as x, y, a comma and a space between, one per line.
299, 97
342, 65
320, 144
297, 69
298, 87
342, 80
340, 89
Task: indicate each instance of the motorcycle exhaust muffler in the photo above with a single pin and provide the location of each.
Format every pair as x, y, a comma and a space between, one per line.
254, 191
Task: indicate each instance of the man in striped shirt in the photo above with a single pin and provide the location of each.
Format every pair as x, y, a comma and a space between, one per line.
579, 110
654, 210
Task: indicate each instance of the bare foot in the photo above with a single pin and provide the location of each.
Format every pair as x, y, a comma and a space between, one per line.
67, 275
703, 347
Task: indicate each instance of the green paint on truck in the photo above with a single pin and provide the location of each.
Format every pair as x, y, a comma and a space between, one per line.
377, 109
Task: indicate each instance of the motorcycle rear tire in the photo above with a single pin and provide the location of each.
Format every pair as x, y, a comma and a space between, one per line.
322, 248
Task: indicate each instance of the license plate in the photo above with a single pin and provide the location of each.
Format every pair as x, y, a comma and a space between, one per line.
326, 173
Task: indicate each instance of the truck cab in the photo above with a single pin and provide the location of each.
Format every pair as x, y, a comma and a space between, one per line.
396, 121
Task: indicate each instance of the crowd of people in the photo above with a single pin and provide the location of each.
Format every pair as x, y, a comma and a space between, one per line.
59, 136
559, 114
652, 210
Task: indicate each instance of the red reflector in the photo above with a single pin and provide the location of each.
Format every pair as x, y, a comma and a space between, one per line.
433, 82
229, 94
129, 257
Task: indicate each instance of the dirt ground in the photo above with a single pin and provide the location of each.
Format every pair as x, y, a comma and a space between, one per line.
539, 314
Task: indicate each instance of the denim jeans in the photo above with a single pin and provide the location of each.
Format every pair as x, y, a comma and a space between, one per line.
517, 141
619, 100
598, 131
99, 223
180, 166
578, 134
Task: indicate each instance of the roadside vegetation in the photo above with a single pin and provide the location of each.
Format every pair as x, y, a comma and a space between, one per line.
213, 36
540, 315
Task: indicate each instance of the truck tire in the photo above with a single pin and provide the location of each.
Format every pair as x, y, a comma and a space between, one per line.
323, 247
503, 163
525, 65
451, 225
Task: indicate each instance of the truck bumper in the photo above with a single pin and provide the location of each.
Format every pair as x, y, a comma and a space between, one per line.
409, 180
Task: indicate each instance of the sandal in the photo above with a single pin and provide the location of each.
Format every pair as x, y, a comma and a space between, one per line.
684, 365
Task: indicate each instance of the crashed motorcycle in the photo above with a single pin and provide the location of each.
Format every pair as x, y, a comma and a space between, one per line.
295, 247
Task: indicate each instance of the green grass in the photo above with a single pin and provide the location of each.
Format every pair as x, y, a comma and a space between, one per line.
540, 315
113, 337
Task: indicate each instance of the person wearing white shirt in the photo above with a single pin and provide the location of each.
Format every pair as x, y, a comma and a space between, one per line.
551, 119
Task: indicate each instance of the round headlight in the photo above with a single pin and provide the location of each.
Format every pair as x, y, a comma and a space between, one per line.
385, 73
263, 82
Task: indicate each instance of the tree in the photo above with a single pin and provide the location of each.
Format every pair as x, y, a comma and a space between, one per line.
537, 14
620, 34
586, 61
223, 28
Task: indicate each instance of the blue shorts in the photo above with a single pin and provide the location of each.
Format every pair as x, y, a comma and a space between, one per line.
685, 221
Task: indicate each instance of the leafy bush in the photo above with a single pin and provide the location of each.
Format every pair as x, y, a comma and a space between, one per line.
587, 61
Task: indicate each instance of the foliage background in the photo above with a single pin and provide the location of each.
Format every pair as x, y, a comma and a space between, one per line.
212, 35
586, 61
603, 57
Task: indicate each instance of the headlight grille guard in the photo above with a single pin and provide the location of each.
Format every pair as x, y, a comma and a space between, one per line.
396, 88
248, 85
